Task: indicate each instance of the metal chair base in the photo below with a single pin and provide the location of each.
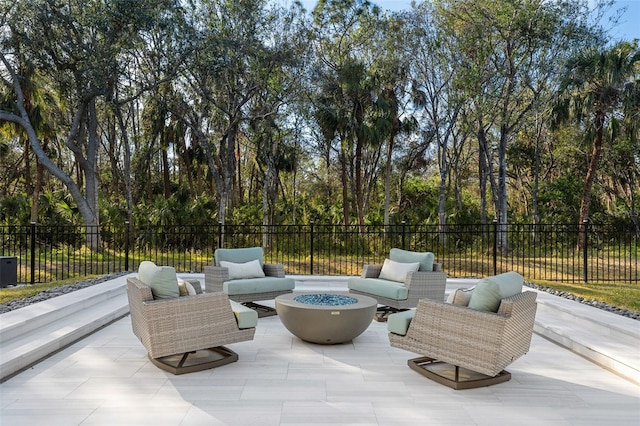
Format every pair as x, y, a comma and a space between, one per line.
455, 377
262, 310
190, 362
383, 312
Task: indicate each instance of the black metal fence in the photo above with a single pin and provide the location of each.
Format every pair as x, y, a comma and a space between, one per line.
540, 252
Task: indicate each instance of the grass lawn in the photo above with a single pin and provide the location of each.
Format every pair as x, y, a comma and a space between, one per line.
623, 295
23, 292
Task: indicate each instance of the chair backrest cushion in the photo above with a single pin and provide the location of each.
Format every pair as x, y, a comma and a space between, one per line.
404, 256
238, 255
489, 291
161, 279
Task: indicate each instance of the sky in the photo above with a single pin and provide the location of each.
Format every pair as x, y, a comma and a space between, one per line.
628, 27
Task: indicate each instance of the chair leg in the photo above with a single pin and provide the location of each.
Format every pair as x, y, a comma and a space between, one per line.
453, 376
190, 362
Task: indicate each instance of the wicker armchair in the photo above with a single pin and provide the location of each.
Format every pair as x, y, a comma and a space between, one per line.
430, 284
185, 334
464, 348
274, 283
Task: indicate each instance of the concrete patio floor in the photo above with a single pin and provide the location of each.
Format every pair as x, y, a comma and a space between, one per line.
107, 379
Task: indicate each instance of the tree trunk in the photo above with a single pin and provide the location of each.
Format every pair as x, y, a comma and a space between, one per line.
387, 180
166, 181
359, 189
502, 191
591, 173
482, 173
90, 169
37, 188
345, 185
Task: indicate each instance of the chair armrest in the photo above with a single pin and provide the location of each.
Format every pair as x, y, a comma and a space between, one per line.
371, 271
214, 278
448, 326
437, 267
186, 313
273, 270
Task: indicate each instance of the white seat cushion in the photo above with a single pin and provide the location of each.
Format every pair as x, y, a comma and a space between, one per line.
397, 271
238, 271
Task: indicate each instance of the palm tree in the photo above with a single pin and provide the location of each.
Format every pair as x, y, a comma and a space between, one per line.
592, 92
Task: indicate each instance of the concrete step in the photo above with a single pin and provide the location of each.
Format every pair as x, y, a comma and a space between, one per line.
607, 339
32, 317
32, 333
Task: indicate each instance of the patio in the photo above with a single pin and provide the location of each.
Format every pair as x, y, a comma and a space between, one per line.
107, 379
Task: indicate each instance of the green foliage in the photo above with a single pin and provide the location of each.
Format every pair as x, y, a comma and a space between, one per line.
15, 210
202, 110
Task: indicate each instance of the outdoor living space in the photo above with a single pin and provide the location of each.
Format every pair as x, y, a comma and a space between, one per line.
106, 377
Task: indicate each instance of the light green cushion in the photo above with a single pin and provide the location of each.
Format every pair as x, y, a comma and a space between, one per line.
378, 287
246, 317
485, 296
510, 283
238, 255
399, 322
161, 279
425, 259
498, 286
258, 285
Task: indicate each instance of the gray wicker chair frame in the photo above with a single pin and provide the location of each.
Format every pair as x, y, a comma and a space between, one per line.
421, 285
464, 348
185, 334
215, 276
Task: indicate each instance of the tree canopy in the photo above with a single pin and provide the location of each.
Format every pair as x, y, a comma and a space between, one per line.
207, 111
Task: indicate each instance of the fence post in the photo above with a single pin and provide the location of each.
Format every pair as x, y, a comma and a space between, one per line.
495, 246
584, 250
311, 248
404, 233
32, 278
127, 235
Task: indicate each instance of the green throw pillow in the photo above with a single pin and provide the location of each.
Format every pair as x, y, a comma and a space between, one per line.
485, 296
161, 279
507, 284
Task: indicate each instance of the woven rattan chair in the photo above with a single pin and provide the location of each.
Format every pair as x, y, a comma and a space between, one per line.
185, 334
464, 348
245, 291
419, 284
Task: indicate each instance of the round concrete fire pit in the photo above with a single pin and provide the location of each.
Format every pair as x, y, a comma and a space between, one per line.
325, 318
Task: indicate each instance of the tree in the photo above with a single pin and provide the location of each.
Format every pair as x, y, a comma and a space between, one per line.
349, 82
78, 50
598, 83
435, 93
502, 43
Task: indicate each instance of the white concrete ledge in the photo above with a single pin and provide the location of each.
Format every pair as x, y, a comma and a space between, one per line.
29, 334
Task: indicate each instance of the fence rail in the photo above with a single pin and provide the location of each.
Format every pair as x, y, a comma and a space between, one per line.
538, 251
